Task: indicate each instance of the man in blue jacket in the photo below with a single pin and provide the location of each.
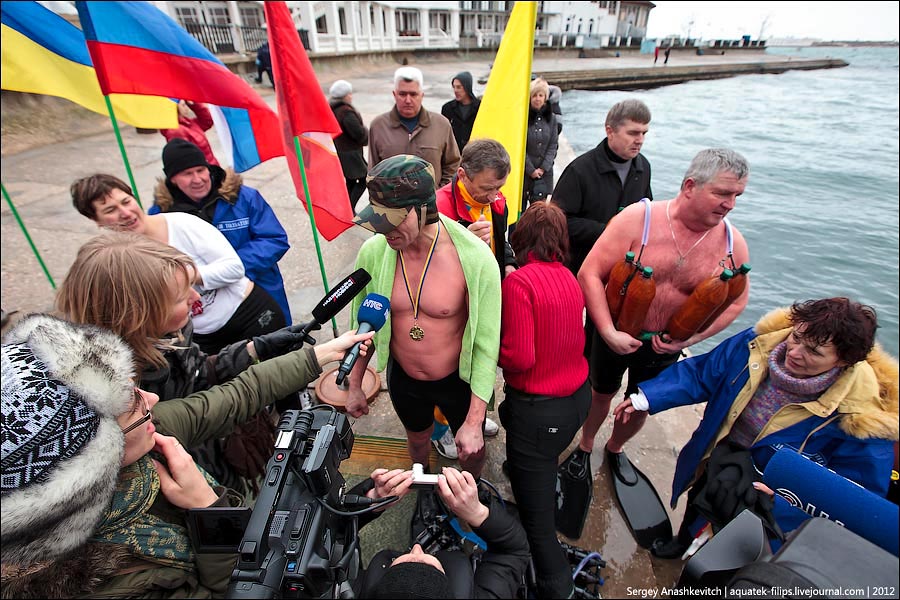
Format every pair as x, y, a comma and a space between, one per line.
218, 196
809, 379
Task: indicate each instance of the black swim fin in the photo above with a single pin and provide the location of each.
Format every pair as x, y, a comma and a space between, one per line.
574, 492
640, 503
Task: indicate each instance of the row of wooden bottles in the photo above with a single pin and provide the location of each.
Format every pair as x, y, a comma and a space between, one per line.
631, 289
709, 300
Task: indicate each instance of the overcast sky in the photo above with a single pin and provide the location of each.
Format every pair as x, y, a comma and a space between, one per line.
876, 21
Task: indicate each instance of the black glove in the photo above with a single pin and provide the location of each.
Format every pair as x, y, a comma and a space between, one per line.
284, 340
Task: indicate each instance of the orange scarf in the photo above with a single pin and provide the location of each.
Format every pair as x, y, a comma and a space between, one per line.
467, 206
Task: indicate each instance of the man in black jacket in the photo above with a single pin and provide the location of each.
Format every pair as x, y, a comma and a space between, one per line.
597, 185
601, 182
462, 110
416, 574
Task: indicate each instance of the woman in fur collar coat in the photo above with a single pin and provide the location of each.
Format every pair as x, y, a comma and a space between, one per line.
86, 511
809, 378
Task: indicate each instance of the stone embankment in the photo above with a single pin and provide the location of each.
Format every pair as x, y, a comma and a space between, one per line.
643, 77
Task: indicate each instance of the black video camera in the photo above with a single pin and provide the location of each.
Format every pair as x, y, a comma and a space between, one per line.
295, 544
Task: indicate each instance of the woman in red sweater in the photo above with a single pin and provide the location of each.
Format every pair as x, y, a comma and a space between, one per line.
547, 390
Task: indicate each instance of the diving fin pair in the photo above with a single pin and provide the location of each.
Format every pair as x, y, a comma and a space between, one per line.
640, 503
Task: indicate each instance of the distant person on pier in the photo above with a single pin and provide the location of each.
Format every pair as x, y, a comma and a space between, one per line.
601, 182
408, 128
668, 51
349, 144
655, 54
462, 110
689, 239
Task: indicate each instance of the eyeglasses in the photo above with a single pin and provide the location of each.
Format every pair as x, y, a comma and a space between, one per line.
138, 396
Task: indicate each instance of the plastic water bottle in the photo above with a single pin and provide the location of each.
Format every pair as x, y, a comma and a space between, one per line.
619, 278
636, 304
705, 299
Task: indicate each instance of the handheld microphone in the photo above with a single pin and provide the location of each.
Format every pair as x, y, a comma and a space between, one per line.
337, 298
373, 312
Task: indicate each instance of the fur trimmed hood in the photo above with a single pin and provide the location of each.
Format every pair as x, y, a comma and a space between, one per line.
864, 415
166, 194
64, 385
80, 573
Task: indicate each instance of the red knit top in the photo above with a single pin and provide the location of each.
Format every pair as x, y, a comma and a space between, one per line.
542, 330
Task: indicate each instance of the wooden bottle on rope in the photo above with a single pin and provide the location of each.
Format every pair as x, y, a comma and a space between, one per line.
636, 303
619, 279
705, 299
736, 287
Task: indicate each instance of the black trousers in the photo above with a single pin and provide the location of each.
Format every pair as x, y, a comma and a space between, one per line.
259, 313
538, 431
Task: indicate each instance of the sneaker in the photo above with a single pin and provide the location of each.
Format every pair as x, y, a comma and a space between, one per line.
491, 428
446, 446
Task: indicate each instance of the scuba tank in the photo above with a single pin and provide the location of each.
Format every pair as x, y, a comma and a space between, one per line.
637, 302
619, 278
706, 298
736, 287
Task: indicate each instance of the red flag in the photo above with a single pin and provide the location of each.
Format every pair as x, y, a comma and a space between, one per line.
305, 113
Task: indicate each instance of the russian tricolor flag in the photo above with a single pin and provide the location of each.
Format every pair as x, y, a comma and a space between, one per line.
138, 49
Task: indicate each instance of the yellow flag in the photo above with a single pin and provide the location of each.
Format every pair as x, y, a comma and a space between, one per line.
503, 115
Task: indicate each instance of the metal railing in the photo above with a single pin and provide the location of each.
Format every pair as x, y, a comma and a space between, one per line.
219, 39
253, 38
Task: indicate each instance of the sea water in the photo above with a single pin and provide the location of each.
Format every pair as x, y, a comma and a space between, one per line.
820, 212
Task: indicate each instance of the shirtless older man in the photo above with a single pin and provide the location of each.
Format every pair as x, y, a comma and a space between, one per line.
687, 243
441, 342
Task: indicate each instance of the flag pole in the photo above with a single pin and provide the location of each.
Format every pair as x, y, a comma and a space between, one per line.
312, 222
27, 237
112, 117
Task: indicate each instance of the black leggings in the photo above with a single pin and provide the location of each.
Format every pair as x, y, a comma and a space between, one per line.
538, 430
259, 313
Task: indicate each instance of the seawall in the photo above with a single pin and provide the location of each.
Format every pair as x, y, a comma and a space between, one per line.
650, 77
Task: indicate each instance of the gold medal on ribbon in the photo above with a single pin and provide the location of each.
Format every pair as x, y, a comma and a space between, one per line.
416, 332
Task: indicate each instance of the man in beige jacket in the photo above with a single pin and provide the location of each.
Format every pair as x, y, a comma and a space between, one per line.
408, 128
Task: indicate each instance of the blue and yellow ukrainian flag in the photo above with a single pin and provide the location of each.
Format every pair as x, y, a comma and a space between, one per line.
42, 53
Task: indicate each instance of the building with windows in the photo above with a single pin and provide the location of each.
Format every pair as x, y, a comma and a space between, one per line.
361, 26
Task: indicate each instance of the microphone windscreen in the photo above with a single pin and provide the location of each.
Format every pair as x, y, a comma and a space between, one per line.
341, 295
374, 310
820, 492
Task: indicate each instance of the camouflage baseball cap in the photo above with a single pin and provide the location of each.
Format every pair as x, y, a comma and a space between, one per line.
397, 185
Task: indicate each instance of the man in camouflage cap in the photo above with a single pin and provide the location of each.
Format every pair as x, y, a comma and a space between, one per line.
396, 186
444, 288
